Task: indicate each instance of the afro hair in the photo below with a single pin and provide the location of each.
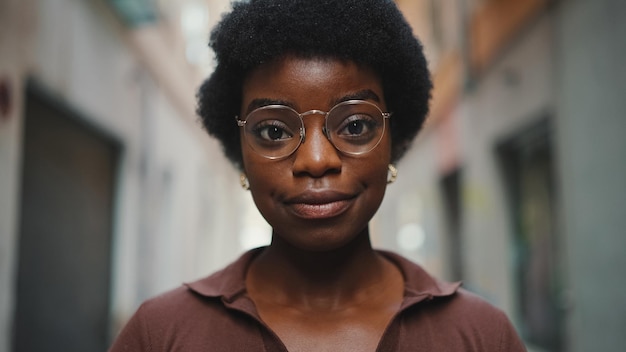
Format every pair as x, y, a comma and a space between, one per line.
368, 32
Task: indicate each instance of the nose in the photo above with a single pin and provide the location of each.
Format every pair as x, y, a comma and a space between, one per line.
316, 156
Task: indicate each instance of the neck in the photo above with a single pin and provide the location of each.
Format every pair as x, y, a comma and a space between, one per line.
317, 279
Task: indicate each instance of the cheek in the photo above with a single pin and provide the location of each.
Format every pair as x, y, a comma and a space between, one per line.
378, 180
250, 159
382, 162
373, 171
264, 175
383, 152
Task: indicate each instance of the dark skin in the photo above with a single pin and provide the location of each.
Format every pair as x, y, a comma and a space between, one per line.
320, 286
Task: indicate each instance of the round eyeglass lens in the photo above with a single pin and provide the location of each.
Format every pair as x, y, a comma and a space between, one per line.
355, 127
273, 131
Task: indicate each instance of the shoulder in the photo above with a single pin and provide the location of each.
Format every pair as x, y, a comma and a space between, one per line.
438, 313
466, 311
159, 321
196, 316
468, 322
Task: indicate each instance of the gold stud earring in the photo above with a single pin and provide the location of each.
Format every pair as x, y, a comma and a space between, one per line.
243, 181
392, 174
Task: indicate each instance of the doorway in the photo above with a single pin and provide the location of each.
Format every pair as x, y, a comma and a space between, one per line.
452, 199
64, 260
528, 168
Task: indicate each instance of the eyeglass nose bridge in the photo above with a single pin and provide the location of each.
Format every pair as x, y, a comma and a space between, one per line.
303, 129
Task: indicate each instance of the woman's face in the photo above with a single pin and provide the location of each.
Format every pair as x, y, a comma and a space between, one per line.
317, 198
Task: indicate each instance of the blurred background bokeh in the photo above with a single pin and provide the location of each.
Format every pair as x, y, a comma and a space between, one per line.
111, 192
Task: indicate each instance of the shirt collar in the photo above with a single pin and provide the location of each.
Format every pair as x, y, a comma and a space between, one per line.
418, 284
230, 282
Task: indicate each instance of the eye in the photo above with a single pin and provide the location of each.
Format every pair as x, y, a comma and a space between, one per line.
357, 126
272, 131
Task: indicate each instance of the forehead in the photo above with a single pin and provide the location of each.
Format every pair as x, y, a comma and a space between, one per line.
309, 83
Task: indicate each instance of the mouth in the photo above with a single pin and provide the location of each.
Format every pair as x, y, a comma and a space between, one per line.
320, 205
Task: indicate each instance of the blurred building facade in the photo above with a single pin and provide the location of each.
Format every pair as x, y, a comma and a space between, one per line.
112, 193
515, 186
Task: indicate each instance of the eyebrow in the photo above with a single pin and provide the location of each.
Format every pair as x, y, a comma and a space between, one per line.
365, 94
261, 102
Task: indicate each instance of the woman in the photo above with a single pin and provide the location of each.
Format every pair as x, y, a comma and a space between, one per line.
314, 101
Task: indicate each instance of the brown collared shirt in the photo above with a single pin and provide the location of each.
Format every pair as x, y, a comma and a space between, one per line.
216, 314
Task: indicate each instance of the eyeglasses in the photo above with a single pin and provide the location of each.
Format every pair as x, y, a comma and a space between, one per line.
353, 127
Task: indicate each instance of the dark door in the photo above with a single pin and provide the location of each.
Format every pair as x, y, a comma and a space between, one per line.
528, 166
64, 265
451, 191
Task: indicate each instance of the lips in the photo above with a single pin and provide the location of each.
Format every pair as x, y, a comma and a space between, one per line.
320, 205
